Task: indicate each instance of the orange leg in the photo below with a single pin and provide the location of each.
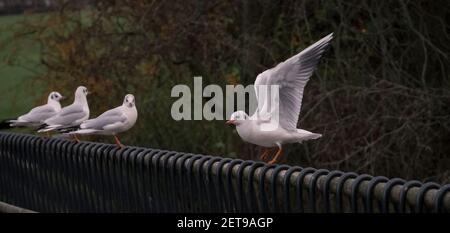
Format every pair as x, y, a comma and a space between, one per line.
47, 136
264, 154
75, 138
269, 155
277, 156
118, 142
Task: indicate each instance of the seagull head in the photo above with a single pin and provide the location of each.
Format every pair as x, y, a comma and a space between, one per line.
80, 94
81, 91
55, 96
129, 101
237, 118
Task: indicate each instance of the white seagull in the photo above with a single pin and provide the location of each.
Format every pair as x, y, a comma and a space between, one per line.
69, 116
113, 121
291, 77
36, 116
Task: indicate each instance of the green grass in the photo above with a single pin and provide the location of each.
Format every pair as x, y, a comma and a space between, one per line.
18, 94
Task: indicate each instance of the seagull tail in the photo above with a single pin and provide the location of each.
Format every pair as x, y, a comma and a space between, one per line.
83, 131
47, 128
19, 123
6, 124
306, 135
67, 130
43, 126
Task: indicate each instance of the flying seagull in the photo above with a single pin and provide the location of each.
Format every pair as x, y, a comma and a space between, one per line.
36, 116
69, 116
291, 77
112, 122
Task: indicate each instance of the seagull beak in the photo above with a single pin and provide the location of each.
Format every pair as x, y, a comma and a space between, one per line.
230, 122
62, 98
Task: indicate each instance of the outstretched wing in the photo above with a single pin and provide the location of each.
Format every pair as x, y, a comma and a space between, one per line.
291, 77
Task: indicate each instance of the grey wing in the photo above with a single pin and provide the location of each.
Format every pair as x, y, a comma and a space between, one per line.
66, 119
107, 118
67, 115
71, 109
39, 114
112, 112
291, 76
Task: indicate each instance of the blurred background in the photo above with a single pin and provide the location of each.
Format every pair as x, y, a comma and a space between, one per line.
380, 95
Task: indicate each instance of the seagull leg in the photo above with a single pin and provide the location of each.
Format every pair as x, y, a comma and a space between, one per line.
277, 155
46, 136
75, 138
118, 142
268, 155
264, 154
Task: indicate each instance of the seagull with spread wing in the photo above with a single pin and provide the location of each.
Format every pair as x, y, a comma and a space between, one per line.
113, 121
290, 77
69, 116
36, 116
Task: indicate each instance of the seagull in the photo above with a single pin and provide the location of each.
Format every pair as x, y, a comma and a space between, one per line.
291, 77
69, 116
113, 121
36, 116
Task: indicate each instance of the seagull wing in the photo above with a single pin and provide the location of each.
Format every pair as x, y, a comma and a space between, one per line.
291, 76
67, 115
113, 117
38, 114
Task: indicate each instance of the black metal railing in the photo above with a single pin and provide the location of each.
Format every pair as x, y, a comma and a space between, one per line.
56, 175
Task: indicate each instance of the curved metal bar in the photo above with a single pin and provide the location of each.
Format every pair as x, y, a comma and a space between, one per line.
191, 189
403, 194
89, 163
220, 186
262, 200
326, 189
101, 179
209, 184
181, 165
240, 188
252, 205
273, 186
421, 194
33, 172
439, 198
229, 186
340, 187
175, 182
370, 187
387, 193
200, 188
134, 178
165, 182
287, 184
355, 189
122, 186
108, 179
299, 186
313, 186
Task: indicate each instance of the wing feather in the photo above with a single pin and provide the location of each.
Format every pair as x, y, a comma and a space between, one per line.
291, 76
